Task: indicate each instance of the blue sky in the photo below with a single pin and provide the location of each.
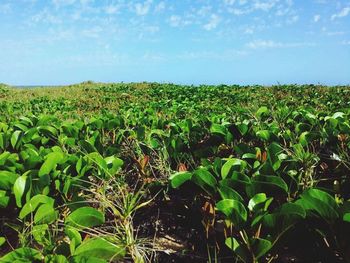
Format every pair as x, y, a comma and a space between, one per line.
189, 42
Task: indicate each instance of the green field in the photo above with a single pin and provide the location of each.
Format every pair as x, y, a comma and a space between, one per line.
147, 172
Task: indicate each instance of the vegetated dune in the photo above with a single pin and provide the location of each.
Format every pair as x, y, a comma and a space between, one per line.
149, 172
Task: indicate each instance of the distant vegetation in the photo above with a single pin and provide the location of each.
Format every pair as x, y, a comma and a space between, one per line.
148, 172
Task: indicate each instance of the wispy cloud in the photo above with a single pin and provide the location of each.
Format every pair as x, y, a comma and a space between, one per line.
142, 9
45, 16
224, 55
335, 33
316, 18
292, 19
264, 5
342, 13
93, 32
213, 22
266, 44
178, 21
112, 9
160, 7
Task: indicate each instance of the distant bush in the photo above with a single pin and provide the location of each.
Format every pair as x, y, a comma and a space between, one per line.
4, 88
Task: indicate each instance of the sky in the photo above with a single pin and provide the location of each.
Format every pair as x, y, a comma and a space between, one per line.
55, 42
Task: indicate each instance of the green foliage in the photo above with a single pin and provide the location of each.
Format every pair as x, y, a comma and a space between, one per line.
263, 160
85, 217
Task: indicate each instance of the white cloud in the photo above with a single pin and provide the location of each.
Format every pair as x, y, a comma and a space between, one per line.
153, 57
249, 31
46, 17
224, 55
213, 22
317, 18
112, 9
346, 42
282, 11
343, 13
292, 19
147, 32
335, 33
178, 21
232, 2
204, 10
93, 32
142, 9
151, 29
238, 11
175, 20
160, 7
266, 44
264, 5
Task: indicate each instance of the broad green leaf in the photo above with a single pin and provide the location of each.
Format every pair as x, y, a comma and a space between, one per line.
56, 259
218, 129
7, 180
240, 250
97, 159
338, 115
262, 183
231, 164
52, 159
287, 215
4, 199
262, 111
227, 192
2, 143
260, 246
256, 199
85, 217
289, 209
274, 150
2, 241
233, 210
319, 202
303, 138
18, 189
243, 128
264, 135
205, 180
45, 214
177, 179
22, 255
73, 233
15, 138
346, 217
249, 156
4, 157
87, 146
49, 131
33, 203
100, 248
114, 164
39, 233
240, 178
